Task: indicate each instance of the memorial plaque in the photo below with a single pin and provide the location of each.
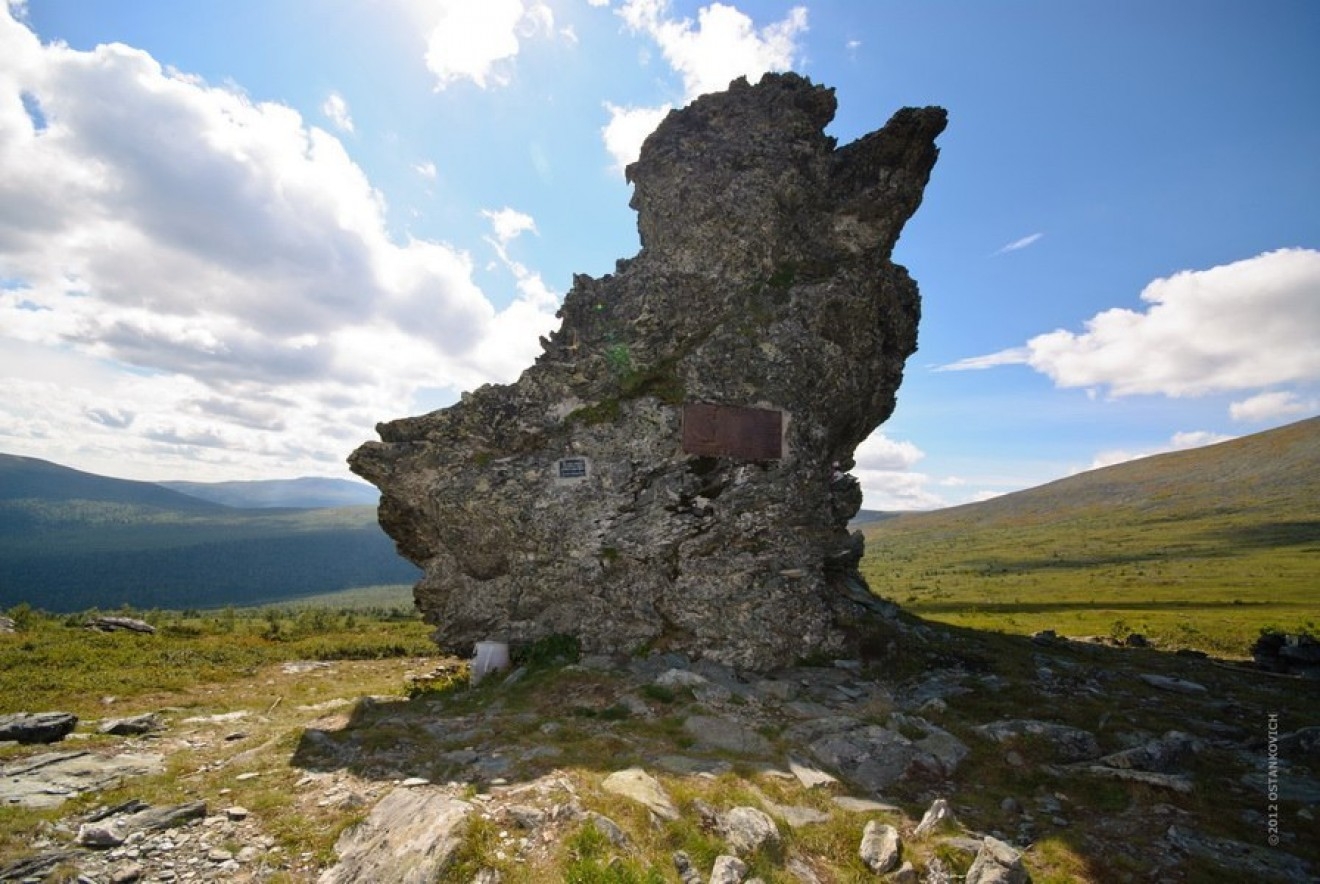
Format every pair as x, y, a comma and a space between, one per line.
572, 468
733, 431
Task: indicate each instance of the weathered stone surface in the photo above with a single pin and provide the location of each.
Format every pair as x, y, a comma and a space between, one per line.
997, 863
1068, 743
938, 815
725, 733
643, 788
569, 502
135, 724
728, 870
408, 838
747, 829
37, 727
48, 780
880, 848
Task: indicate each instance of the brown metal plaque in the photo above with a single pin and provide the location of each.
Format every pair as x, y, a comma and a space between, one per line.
732, 431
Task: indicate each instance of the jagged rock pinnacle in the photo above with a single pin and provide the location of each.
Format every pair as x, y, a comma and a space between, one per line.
671, 473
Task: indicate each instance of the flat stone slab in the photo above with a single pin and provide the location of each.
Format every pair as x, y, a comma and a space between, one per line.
725, 733
48, 780
1175, 685
643, 788
407, 839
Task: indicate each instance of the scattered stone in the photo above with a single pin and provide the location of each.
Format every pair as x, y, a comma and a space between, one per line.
1176, 685
864, 805
728, 870
638, 785
117, 624
808, 776
727, 734
1155, 755
880, 847
798, 868
938, 815
236, 813
134, 725
686, 872
747, 829
37, 727
1241, 861
1175, 782
997, 863
876, 757
1287, 653
1046, 637
414, 782
904, 874
8, 625
609, 828
1068, 743
408, 838
680, 678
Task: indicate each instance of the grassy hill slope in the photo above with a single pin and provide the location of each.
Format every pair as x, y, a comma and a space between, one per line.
71, 540
1199, 548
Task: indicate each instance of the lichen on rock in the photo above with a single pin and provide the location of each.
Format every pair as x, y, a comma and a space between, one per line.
671, 473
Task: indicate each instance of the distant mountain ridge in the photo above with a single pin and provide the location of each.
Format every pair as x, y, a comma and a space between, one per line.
32, 478
71, 540
302, 493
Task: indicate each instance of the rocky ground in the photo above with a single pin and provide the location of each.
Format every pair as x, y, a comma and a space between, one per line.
945, 754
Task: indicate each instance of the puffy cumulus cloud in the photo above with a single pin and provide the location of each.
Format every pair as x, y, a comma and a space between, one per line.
200, 273
1250, 324
720, 46
478, 41
1272, 406
627, 129
884, 469
879, 452
508, 224
335, 109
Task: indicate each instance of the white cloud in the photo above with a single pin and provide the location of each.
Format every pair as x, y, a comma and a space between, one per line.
721, 46
508, 224
1022, 243
196, 278
1240, 326
336, 110
1270, 406
879, 452
1013, 356
627, 129
478, 41
427, 170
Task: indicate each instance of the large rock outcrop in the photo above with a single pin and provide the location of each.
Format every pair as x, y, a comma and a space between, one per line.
671, 473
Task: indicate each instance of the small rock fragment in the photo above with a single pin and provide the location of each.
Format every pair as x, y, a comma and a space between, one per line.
880, 847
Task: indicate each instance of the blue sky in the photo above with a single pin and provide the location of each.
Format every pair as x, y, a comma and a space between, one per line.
234, 236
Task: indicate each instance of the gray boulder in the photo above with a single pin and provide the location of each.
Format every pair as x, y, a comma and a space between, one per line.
37, 727
997, 863
880, 848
